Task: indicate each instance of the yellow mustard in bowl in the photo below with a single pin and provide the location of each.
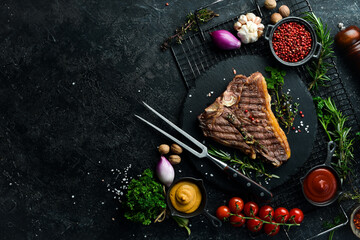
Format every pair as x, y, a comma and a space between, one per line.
185, 196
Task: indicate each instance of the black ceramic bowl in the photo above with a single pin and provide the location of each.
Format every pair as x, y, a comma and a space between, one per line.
315, 45
200, 210
352, 225
327, 165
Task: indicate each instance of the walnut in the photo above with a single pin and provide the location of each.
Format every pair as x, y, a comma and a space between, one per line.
176, 149
174, 159
275, 17
284, 11
164, 149
270, 4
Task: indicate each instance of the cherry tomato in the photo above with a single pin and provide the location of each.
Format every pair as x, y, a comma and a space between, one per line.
237, 221
236, 205
222, 213
251, 209
296, 216
271, 229
281, 215
266, 213
254, 225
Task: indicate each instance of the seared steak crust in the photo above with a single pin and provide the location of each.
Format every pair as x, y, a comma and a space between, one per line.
242, 118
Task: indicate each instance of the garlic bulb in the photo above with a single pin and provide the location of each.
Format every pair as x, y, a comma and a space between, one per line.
249, 28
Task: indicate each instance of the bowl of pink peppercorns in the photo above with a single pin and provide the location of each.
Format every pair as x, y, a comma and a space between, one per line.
293, 41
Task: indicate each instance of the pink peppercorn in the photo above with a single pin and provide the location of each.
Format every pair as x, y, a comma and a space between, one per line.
291, 42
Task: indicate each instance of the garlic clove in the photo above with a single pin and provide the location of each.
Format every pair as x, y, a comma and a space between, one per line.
257, 20
250, 16
260, 33
237, 26
244, 29
261, 27
243, 35
252, 26
242, 19
253, 37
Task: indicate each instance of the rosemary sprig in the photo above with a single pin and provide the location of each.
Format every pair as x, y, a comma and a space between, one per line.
245, 165
203, 15
285, 110
319, 68
333, 122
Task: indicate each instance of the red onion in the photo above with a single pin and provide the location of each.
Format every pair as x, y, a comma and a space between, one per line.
225, 40
165, 171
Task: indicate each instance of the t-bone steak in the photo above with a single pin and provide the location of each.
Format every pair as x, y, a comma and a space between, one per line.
242, 118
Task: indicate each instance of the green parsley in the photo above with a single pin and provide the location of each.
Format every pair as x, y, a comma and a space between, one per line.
145, 199
285, 111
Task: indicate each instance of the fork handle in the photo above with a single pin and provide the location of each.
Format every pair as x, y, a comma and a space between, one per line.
248, 184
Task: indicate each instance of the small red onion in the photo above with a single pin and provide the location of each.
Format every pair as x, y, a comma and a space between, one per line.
165, 171
225, 40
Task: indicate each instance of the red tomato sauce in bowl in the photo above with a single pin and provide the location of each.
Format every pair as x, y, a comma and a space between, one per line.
320, 185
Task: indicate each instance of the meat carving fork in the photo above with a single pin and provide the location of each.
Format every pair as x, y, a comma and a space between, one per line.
244, 181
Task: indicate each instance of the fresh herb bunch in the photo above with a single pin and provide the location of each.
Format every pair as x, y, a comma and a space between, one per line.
145, 199
319, 67
245, 165
285, 111
333, 122
203, 16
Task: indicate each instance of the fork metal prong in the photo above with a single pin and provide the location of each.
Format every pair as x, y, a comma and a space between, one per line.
200, 155
182, 132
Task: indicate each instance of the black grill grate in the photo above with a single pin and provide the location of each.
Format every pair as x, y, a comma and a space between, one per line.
195, 55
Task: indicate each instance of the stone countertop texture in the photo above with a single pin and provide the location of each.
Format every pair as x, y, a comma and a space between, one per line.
72, 74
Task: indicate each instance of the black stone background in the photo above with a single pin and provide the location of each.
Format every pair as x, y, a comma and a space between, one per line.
72, 75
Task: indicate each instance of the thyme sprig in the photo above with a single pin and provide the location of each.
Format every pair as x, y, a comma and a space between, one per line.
319, 67
203, 16
244, 165
333, 121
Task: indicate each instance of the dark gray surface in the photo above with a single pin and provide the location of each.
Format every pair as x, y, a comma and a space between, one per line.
72, 73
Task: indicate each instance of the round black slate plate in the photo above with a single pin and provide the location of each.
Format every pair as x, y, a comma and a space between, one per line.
215, 81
